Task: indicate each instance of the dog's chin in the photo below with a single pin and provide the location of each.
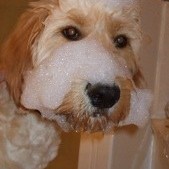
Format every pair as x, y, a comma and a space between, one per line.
90, 123
97, 120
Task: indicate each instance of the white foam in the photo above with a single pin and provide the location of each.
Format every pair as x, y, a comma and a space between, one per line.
139, 108
49, 82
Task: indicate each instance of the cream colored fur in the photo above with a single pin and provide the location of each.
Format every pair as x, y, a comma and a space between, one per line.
27, 141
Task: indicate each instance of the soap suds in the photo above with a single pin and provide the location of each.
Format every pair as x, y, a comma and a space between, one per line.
139, 108
86, 60
48, 83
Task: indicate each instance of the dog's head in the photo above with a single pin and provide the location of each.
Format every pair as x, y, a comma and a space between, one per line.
76, 59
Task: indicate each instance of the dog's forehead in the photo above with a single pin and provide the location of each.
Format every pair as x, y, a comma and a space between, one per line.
109, 4
115, 3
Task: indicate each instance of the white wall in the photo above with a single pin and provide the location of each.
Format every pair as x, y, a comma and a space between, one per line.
155, 54
162, 73
151, 24
162, 94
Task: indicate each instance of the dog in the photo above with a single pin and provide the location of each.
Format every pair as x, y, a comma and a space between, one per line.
30, 121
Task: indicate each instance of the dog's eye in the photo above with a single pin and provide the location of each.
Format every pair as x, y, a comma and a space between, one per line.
121, 41
71, 33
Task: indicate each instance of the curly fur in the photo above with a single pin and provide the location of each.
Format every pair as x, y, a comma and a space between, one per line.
27, 142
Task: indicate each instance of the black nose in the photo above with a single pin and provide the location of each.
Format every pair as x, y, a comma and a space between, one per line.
103, 96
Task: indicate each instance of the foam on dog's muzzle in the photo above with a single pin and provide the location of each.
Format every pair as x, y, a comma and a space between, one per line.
48, 83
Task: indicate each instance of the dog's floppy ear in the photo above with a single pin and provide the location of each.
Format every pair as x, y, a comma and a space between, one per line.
16, 56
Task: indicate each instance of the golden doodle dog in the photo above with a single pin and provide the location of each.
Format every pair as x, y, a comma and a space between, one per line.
68, 65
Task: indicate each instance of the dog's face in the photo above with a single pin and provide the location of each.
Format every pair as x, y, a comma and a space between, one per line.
95, 99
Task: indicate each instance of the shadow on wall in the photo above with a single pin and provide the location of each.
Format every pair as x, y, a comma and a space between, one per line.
10, 10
